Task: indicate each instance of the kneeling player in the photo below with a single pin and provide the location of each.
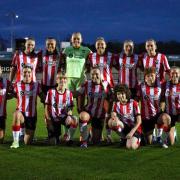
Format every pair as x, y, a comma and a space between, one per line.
26, 92
96, 91
150, 93
172, 101
126, 118
58, 110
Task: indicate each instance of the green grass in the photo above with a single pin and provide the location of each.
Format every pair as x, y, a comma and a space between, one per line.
40, 161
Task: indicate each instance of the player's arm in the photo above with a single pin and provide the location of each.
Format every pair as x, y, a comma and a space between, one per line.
12, 73
47, 115
39, 64
138, 120
62, 62
13, 69
162, 98
41, 94
133, 130
80, 102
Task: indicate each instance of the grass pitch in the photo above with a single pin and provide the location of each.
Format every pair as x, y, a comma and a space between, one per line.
40, 161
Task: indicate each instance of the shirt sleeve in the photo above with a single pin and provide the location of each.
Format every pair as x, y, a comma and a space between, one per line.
136, 108
15, 59
48, 98
82, 89
166, 64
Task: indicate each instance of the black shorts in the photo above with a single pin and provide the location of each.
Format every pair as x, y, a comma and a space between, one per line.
97, 123
174, 119
56, 123
30, 122
149, 124
2, 122
127, 129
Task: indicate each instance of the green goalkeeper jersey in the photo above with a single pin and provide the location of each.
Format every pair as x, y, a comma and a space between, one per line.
75, 61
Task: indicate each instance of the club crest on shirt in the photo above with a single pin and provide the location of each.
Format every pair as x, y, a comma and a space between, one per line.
49, 62
127, 66
26, 93
97, 95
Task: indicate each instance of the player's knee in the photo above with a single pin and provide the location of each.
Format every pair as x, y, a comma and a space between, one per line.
84, 117
115, 124
71, 121
128, 145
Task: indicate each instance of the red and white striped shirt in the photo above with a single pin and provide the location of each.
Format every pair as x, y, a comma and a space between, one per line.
96, 94
172, 98
50, 69
105, 62
127, 67
127, 112
27, 97
58, 104
159, 62
4, 85
150, 97
20, 59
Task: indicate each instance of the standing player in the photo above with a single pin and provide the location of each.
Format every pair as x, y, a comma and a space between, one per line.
58, 110
127, 111
127, 67
50, 65
172, 101
74, 60
103, 59
97, 92
150, 93
26, 92
154, 59
4, 88
23, 58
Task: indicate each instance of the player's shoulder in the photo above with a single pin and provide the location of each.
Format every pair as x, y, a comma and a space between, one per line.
85, 49
67, 50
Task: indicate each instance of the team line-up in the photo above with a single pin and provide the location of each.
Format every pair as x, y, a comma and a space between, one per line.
139, 112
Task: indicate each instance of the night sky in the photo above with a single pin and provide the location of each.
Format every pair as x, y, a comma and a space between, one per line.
113, 19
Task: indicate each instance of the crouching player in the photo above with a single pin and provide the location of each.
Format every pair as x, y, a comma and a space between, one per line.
26, 92
172, 101
96, 91
4, 89
151, 93
125, 117
58, 110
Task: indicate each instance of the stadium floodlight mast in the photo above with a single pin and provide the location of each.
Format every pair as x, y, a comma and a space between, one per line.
12, 16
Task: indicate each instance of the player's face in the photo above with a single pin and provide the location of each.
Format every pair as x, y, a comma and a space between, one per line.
27, 75
96, 76
51, 45
61, 81
100, 47
175, 76
128, 49
121, 96
151, 48
29, 46
150, 79
76, 40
